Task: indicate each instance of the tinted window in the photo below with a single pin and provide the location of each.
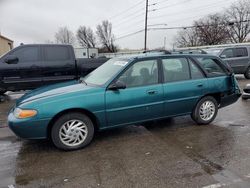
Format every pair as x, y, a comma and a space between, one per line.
58, 53
227, 53
240, 52
140, 74
175, 69
26, 54
211, 66
195, 71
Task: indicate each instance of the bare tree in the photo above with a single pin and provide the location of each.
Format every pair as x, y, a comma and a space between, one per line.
212, 30
105, 36
187, 38
86, 37
238, 17
64, 36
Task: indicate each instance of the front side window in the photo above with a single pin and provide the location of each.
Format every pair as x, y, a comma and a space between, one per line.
227, 53
175, 69
26, 54
211, 66
141, 73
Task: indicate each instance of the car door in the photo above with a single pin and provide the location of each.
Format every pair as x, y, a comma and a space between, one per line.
141, 100
26, 73
58, 64
184, 84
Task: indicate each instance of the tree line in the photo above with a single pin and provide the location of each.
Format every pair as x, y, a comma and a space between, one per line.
230, 26
87, 38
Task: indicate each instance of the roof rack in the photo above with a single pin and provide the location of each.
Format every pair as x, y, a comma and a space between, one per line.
190, 51
157, 51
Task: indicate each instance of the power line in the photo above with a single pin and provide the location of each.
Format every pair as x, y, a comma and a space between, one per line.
180, 27
189, 10
131, 23
135, 16
171, 5
130, 34
126, 10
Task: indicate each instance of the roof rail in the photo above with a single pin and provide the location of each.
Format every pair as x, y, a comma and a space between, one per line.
157, 51
193, 51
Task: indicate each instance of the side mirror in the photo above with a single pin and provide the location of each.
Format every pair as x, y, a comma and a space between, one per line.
11, 59
117, 85
223, 56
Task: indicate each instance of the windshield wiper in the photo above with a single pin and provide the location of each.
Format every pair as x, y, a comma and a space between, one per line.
82, 81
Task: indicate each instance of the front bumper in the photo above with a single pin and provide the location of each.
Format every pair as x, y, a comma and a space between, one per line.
245, 95
28, 128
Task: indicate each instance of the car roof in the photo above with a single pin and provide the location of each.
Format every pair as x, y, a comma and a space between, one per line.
148, 56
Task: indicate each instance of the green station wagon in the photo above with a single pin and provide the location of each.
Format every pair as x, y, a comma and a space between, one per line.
125, 91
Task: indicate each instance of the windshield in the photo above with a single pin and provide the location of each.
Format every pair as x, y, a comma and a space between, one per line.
105, 72
213, 51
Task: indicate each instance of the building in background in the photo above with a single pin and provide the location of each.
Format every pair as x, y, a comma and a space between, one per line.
5, 44
86, 52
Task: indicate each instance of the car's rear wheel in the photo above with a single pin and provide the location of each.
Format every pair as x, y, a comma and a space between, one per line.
247, 73
205, 111
72, 131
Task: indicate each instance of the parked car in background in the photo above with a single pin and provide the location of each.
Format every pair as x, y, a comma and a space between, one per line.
237, 57
125, 91
31, 66
246, 92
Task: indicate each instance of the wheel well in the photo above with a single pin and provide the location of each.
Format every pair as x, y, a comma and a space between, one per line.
217, 96
79, 110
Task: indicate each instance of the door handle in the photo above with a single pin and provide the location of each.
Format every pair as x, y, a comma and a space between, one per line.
200, 85
152, 92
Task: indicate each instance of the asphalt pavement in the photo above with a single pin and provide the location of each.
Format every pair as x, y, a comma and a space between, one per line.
173, 153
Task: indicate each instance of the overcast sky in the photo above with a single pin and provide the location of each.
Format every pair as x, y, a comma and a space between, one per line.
36, 21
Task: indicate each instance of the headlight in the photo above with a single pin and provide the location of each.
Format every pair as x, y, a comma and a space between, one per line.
22, 114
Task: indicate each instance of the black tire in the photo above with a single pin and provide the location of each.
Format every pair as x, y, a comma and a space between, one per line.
244, 97
247, 73
61, 121
2, 91
196, 116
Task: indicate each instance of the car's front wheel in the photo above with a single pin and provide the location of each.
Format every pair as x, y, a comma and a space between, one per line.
72, 131
205, 110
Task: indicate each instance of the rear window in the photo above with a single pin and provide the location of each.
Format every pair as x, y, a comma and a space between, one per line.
211, 66
240, 52
58, 53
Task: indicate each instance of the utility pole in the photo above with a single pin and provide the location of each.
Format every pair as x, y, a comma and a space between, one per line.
146, 26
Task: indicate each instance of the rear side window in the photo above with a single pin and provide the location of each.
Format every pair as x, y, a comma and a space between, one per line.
240, 52
26, 54
58, 53
175, 69
195, 71
211, 66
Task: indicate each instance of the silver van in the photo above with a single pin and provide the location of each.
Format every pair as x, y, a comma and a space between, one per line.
237, 57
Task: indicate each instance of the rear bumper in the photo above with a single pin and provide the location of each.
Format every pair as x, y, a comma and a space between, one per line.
229, 99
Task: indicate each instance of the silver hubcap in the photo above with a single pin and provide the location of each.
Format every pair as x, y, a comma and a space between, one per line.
207, 110
73, 133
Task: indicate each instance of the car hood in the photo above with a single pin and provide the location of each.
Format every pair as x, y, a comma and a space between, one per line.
53, 90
